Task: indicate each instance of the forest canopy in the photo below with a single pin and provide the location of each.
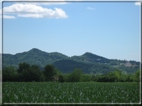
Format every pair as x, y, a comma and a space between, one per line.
28, 73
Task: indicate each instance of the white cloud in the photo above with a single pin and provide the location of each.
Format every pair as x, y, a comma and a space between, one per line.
138, 3
34, 11
9, 17
90, 8
31, 15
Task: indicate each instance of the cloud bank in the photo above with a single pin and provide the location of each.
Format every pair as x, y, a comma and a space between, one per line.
32, 11
9, 17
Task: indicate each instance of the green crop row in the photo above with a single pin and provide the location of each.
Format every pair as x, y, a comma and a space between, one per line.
53, 92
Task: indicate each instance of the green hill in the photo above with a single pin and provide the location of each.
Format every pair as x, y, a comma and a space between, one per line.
90, 58
34, 56
88, 62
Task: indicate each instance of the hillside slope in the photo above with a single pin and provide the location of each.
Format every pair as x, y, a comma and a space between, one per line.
88, 62
33, 56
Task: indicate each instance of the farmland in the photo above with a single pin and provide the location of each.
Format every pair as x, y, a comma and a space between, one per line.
81, 92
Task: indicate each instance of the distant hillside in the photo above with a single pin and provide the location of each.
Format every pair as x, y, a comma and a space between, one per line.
90, 58
67, 65
34, 56
88, 62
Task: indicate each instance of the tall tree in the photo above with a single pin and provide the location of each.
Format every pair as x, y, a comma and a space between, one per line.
61, 78
29, 73
35, 73
118, 74
49, 72
86, 78
137, 76
23, 66
75, 76
9, 74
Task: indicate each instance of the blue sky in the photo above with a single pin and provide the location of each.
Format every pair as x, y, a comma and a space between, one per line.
108, 29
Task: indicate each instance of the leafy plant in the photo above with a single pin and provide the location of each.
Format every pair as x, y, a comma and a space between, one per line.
53, 92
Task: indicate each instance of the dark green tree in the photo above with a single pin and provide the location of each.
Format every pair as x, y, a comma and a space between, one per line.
61, 78
117, 74
111, 77
23, 66
35, 73
137, 76
22, 71
58, 75
49, 72
86, 78
42, 77
9, 74
29, 73
75, 76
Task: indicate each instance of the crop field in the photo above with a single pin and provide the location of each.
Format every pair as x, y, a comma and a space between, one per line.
53, 92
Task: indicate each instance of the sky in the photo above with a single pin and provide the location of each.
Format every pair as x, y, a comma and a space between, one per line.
108, 29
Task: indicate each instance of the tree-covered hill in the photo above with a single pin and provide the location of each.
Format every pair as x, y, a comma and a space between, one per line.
90, 58
34, 56
67, 65
88, 62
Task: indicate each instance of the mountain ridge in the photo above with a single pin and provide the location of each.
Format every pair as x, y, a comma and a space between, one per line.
88, 61
35, 49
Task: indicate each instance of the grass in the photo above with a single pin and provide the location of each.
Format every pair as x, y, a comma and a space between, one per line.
53, 92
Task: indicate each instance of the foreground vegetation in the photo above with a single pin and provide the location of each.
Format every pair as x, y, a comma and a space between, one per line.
29, 73
30, 84
81, 92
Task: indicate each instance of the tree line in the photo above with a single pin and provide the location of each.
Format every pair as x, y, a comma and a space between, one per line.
32, 73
